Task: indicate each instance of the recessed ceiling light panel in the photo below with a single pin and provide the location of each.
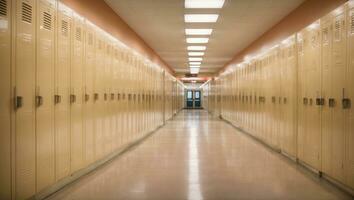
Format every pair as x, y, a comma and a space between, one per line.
204, 3
194, 66
197, 40
195, 63
196, 48
195, 59
200, 18
194, 70
195, 53
198, 31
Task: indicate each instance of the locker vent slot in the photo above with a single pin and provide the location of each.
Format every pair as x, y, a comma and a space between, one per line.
78, 34
26, 12
325, 35
3, 6
64, 28
337, 31
90, 39
47, 21
352, 23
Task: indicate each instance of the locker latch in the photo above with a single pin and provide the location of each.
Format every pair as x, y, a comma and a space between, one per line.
39, 101
305, 101
320, 101
331, 102
273, 99
118, 96
18, 102
57, 99
112, 96
95, 96
72, 98
87, 97
346, 103
105, 96
285, 100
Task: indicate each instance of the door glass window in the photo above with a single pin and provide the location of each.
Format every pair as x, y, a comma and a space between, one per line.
189, 94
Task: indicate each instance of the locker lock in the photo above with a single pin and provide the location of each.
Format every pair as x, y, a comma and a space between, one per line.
320, 101
57, 99
305, 101
346, 103
72, 98
118, 96
95, 96
331, 102
112, 96
105, 96
18, 102
87, 97
39, 101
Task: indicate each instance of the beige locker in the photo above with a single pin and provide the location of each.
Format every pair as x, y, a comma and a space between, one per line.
62, 93
88, 108
76, 93
99, 96
5, 100
333, 84
348, 97
310, 97
45, 157
24, 82
107, 109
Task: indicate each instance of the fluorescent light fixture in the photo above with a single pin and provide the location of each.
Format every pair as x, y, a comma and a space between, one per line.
204, 3
195, 53
197, 40
196, 31
195, 59
196, 48
200, 18
194, 66
195, 63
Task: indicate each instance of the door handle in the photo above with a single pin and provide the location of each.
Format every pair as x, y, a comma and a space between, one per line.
57, 99
72, 98
39, 101
18, 102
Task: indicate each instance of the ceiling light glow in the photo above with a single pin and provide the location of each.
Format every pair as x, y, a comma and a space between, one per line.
197, 40
196, 48
205, 31
195, 59
195, 63
200, 18
204, 3
195, 53
194, 66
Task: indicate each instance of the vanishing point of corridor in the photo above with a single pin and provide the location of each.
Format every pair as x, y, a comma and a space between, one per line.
197, 156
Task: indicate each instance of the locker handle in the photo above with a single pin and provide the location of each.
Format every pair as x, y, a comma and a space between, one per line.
18, 102
57, 99
118, 96
72, 98
95, 96
331, 102
273, 99
105, 96
285, 100
112, 96
305, 101
346, 103
87, 97
320, 101
39, 101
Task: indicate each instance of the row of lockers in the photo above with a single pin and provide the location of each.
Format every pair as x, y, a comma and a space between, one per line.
297, 95
71, 94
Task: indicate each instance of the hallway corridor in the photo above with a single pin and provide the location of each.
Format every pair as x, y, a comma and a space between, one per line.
196, 156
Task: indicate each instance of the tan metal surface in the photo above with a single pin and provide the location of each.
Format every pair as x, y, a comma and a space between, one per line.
196, 156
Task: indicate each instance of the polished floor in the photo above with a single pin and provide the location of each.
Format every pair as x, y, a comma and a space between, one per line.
196, 156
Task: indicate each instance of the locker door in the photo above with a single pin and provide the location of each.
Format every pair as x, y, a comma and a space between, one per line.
312, 154
88, 110
348, 96
5, 100
45, 93
24, 71
62, 92
76, 97
107, 109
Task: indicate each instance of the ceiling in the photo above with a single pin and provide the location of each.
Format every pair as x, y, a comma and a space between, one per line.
161, 24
